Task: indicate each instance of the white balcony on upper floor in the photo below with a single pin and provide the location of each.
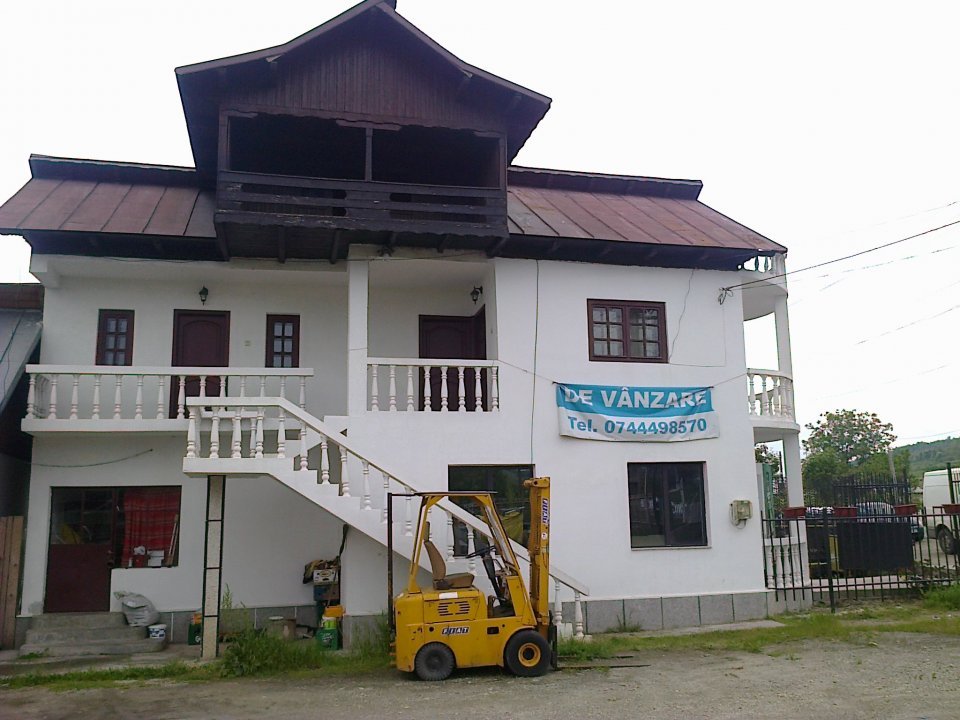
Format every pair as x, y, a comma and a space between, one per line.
91, 398
765, 283
770, 404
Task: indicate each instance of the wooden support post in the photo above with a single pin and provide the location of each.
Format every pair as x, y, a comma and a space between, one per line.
212, 565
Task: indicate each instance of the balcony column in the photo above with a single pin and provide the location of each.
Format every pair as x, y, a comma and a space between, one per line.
782, 320
358, 292
791, 467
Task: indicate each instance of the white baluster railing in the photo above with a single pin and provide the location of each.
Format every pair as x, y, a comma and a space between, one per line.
276, 413
140, 394
458, 385
770, 394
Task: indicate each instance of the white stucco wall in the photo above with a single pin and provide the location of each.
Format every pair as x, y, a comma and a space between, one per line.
591, 538
537, 328
153, 290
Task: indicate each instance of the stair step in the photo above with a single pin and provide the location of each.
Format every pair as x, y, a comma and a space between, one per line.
57, 621
111, 633
91, 648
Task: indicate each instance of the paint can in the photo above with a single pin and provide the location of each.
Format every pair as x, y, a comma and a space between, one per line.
157, 633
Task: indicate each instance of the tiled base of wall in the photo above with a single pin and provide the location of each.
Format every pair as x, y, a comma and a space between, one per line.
178, 621
626, 614
665, 613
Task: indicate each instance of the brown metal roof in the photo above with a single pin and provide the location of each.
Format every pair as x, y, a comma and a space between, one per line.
549, 212
123, 198
126, 199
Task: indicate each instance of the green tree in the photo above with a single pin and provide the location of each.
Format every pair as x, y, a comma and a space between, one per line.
853, 435
843, 443
820, 470
763, 454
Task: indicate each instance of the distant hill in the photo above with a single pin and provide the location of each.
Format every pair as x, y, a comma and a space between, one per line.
934, 455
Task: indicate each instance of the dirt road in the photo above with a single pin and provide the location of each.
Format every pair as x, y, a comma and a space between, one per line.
897, 676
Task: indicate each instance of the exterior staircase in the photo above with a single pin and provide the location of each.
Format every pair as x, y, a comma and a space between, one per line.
273, 437
79, 634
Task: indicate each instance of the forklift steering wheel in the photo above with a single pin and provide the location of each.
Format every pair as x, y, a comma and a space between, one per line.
481, 552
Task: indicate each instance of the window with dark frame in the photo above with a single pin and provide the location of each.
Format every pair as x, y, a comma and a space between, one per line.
627, 331
283, 341
667, 504
115, 337
510, 498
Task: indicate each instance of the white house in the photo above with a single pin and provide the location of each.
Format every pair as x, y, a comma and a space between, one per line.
367, 297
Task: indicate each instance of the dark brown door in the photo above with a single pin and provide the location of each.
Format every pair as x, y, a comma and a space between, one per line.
457, 338
82, 549
201, 338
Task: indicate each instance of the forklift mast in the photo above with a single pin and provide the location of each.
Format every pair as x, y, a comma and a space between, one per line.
538, 545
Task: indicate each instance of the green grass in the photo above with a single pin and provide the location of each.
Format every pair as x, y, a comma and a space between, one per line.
78, 679
256, 654
947, 598
855, 624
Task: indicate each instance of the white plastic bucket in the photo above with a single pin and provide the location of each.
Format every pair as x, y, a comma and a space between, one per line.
157, 632
155, 558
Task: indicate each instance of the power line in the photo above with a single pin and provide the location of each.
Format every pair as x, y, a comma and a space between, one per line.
731, 288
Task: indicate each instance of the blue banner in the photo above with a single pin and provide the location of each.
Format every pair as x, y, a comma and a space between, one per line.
651, 414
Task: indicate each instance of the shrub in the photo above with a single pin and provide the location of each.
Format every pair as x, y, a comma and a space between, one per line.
946, 598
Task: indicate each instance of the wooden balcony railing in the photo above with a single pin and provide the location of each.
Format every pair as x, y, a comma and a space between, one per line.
358, 205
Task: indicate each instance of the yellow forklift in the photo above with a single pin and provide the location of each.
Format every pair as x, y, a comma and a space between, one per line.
452, 624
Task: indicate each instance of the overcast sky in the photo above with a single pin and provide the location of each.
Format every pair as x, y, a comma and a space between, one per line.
830, 128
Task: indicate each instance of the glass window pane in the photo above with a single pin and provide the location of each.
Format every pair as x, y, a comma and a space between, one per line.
599, 348
278, 345
600, 331
599, 314
288, 346
287, 361
615, 315
653, 350
277, 360
636, 333
121, 358
122, 325
651, 315
616, 348
111, 325
636, 316
616, 332
108, 358
109, 342
278, 329
652, 332
636, 349
288, 329
121, 342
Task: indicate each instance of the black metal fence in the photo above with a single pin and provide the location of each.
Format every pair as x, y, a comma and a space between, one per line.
872, 549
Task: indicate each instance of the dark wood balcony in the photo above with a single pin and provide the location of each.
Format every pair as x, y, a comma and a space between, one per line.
256, 202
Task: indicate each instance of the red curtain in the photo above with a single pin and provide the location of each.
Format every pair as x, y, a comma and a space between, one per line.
150, 519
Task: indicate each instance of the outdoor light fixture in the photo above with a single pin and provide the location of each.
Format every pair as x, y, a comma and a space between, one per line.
476, 293
204, 294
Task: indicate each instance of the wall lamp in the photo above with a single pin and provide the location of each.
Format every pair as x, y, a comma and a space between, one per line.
204, 294
476, 293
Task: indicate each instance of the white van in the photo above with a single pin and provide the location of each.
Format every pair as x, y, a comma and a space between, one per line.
936, 492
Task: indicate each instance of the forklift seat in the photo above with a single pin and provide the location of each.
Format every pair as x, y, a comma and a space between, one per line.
442, 581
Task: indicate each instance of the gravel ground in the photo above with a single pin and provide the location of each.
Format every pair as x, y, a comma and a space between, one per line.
897, 676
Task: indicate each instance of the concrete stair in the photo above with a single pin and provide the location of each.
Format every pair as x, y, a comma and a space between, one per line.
80, 634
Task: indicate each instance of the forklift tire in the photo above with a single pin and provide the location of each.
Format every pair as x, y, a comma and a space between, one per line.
528, 654
434, 662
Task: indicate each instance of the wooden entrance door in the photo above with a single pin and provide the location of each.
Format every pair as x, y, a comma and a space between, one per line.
82, 549
457, 338
201, 338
